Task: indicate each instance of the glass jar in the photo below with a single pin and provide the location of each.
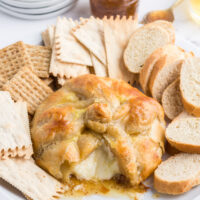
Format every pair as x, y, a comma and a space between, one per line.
194, 6
100, 8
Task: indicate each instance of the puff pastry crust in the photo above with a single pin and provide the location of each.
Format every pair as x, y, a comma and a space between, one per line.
89, 112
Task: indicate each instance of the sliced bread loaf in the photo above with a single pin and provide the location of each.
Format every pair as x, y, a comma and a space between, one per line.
168, 27
178, 174
190, 85
146, 70
142, 43
165, 71
171, 100
183, 133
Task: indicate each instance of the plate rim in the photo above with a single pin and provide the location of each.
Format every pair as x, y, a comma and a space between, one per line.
38, 17
31, 5
38, 11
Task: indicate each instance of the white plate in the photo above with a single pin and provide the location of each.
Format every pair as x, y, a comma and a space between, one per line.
37, 17
30, 1
31, 4
7, 192
34, 11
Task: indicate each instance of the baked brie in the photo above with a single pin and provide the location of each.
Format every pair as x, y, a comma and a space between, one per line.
98, 128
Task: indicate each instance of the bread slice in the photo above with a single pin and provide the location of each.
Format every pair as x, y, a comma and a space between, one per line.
146, 70
190, 85
142, 43
183, 133
168, 27
171, 100
165, 71
178, 174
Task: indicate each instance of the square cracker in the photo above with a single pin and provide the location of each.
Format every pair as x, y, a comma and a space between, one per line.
91, 34
2, 81
13, 58
15, 137
30, 179
40, 57
116, 34
63, 70
26, 86
68, 48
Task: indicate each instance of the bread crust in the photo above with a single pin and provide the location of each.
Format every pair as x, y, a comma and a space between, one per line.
174, 188
174, 103
167, 26
148, 26
187, 148
183, 147
147, 69
189, 107
193, 110
175, 58
157, 68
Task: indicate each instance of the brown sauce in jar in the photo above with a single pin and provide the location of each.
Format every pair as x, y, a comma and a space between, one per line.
101, 8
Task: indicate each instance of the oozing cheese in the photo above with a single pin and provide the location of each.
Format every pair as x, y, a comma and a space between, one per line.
100, 165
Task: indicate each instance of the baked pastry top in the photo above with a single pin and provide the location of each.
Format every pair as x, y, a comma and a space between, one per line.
97, 129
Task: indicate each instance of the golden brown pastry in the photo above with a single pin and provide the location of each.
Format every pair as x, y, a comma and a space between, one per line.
98, 128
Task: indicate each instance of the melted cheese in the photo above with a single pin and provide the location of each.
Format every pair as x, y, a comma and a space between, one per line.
103, 165
100, 165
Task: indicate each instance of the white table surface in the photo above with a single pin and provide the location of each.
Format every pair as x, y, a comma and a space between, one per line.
13, 29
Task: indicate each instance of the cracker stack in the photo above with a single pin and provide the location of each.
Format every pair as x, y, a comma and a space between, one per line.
40, 57
89, 46
100, 45
25, 85
87, 32
14, 132
12, 58
16, 165
21, 65
30, 179
67, 62
24, 72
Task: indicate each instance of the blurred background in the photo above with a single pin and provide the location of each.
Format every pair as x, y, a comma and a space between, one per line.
27, 27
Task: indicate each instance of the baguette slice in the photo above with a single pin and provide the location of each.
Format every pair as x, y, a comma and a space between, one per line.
171, 100
165, 71
190, 85
142, 43
146, 70
183, 133
168, 27
178, 174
